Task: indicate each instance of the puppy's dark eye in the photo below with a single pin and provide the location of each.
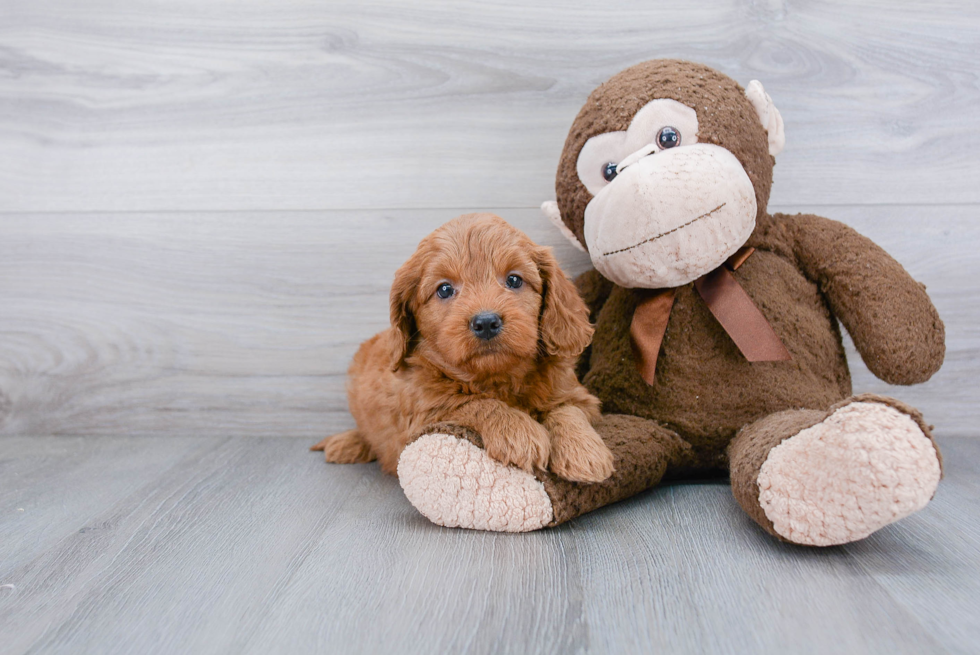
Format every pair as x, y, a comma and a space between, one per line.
609, 171
668, 138
515, 281
445, 290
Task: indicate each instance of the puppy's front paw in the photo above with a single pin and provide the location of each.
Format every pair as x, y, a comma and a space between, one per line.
525, 444
579, 454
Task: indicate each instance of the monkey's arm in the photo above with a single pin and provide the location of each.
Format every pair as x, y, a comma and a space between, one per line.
893, 323
594, 290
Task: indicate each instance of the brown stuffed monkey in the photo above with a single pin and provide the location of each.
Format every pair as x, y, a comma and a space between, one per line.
717, 346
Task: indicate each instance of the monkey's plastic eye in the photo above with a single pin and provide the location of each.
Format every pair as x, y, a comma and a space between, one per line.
445, 290
515, 281
609, 171
668, 137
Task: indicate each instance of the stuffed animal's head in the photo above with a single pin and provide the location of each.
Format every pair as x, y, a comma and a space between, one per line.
665, 171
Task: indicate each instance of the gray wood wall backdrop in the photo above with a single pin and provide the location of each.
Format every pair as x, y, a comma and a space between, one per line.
202, 203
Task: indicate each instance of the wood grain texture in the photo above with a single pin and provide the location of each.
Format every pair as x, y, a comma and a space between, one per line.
256, 546
228, 324
52, 488
262, 105
935, 556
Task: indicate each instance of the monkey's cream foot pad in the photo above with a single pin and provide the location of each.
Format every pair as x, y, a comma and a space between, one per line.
863, 467
455, 484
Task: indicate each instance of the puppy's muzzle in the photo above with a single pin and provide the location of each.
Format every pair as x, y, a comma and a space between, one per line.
486, 325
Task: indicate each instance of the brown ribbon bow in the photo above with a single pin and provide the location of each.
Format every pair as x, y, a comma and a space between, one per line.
726, 300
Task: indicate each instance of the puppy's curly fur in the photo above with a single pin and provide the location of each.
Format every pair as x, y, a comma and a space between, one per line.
518, 389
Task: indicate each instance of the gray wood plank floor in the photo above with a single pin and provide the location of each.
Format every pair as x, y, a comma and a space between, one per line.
254, 545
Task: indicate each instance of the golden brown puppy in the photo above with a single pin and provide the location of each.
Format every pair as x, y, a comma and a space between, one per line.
485, 331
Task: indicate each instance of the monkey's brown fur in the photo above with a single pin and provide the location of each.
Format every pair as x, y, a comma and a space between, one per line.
807, 273
725, 118
518, 390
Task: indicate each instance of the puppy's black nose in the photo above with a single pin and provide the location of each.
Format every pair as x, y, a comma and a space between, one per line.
486, 325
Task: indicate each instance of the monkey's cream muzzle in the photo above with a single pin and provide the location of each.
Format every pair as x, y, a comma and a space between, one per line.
670, 216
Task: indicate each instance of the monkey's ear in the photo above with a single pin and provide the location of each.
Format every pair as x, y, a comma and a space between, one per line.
550, 209
769, 116
564, 325
402, 297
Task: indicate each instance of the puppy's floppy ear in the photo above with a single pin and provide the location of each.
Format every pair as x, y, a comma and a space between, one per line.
402, 298
564, 325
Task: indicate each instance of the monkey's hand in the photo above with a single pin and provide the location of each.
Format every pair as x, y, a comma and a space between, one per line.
893, 323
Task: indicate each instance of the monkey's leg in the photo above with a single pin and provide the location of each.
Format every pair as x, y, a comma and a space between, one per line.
822, 478
449, 478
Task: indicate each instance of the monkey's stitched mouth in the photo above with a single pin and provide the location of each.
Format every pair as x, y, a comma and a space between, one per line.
663, 234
